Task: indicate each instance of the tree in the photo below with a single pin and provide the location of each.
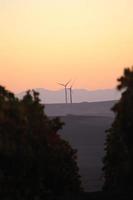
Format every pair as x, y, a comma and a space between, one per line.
34, 159
118, 161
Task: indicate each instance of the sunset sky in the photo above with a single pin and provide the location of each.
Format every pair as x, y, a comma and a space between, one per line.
47, 41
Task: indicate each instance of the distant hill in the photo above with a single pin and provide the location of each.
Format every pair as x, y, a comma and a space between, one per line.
79, 95
81, 109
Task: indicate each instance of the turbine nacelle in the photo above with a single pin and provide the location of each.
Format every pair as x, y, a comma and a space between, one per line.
64, 85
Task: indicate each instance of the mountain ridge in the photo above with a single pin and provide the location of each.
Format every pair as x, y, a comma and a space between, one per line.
79, 95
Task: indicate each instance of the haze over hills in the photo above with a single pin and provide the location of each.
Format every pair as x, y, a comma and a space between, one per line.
79, 95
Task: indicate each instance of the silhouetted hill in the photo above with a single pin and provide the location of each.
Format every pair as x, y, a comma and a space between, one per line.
79, 95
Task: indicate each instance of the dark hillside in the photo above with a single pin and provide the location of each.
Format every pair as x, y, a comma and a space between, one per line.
85, 109
87, 135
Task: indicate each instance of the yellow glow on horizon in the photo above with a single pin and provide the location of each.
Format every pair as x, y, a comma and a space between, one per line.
45, 41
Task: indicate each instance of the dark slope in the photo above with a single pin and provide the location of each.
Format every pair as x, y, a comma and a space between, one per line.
87, 135
85, 109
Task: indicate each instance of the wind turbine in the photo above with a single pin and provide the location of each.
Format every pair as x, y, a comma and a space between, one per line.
65, 87
70, 90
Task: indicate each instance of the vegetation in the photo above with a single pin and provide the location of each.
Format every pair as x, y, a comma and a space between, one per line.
118, 162
34, 160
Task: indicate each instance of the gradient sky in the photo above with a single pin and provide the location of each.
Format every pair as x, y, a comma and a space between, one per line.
47, 41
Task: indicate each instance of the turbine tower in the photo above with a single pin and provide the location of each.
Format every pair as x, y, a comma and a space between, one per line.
65, 87
70, 90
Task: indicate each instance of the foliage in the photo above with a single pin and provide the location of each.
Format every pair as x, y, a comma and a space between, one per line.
34, 160
118, 161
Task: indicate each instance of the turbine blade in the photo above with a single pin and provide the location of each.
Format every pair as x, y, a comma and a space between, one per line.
73, 83
67, 82
60, 84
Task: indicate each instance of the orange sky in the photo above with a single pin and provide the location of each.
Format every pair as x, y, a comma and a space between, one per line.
47, 41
